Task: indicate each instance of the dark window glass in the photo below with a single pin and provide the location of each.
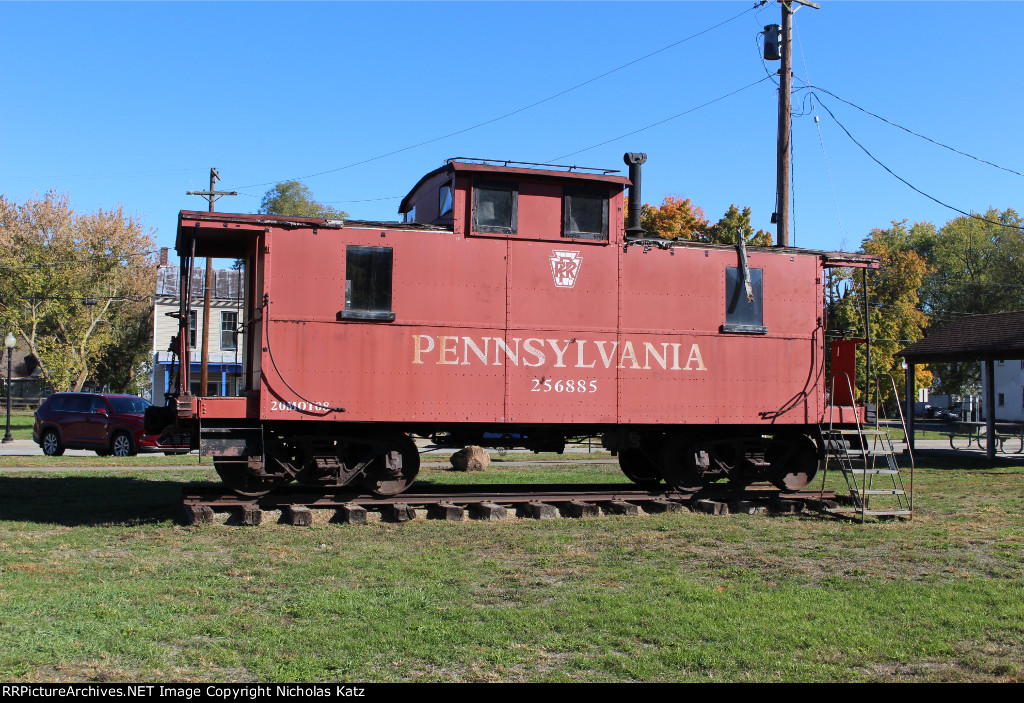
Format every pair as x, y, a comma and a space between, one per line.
743, 316
192, 324
132, 406
79, 403
494, 206
367, 283
57, 403
585, 213
228, 330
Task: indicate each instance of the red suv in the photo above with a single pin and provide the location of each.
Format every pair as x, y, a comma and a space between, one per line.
109, 424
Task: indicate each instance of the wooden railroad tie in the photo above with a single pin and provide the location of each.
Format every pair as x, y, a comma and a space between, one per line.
197, 511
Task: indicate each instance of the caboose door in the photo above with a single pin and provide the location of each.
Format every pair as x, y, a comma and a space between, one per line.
562, 310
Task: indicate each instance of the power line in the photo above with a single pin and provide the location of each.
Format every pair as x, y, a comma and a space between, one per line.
521, 109
121, 257
821, 142
337, 202
661, 122
910, 131
84, 296
905, 181
82, 176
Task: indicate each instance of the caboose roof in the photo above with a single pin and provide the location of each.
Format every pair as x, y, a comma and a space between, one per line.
519, 168
222, 234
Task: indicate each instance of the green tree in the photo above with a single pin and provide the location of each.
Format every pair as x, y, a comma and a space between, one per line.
71, 282
736, 222
295, 199
975, 267
124, 365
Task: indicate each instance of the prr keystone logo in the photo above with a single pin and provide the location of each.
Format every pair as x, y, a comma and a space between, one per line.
565, 266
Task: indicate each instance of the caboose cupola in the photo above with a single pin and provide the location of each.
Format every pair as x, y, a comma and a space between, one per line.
484, 198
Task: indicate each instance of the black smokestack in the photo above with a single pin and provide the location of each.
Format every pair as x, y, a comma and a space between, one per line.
633, 228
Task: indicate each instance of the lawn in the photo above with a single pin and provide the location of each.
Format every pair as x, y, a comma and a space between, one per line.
21, 423
99, 583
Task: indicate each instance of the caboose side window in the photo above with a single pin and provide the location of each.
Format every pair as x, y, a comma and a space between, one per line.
743, 316
367, 284
445, 199
495, 205
585, 213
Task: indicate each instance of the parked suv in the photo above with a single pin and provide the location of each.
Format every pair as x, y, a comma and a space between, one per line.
109, 424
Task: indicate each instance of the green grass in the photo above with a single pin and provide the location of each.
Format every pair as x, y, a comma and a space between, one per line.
21, 423
99, 583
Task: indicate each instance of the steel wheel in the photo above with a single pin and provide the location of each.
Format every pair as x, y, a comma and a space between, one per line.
244, 478
51, 443
639, 468
395, 468
684, 464
121, 445
794, 462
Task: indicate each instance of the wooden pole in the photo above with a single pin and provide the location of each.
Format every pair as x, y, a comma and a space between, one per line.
211, 196
204, 364
785, 127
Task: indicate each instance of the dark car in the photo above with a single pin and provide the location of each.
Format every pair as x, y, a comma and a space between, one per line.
107, 423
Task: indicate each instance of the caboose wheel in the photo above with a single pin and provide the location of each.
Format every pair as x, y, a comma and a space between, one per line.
684, 464
244, 478
794, 462
395, 468
639, 468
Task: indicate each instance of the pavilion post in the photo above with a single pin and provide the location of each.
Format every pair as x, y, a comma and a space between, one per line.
910, 406
990, 409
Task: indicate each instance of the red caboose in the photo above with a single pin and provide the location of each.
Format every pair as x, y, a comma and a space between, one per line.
512, 303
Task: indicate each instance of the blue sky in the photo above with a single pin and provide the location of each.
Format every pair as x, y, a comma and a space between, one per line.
132, 103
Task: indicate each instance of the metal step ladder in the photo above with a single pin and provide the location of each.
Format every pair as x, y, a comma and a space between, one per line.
867, 459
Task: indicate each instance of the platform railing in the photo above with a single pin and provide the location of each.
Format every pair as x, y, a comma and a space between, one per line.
903, 424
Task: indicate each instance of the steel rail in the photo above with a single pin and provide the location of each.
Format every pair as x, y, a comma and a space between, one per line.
502, 495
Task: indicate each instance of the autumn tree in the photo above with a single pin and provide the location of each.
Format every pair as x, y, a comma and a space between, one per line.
679, 218
675, 218
893, 306
76, 288
295, 199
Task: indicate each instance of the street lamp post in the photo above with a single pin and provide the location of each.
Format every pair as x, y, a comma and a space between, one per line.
10, 342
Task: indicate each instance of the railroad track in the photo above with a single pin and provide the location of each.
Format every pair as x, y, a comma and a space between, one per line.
301, 506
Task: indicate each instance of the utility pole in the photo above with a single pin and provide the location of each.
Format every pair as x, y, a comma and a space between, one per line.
204, 367
785, 117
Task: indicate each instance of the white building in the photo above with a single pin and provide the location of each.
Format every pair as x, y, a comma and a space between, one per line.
1009, 389
224, 370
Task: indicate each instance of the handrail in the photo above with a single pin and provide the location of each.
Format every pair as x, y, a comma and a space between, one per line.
860, 434
903, 422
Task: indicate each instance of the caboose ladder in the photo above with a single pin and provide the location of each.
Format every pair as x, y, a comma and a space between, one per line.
864, 455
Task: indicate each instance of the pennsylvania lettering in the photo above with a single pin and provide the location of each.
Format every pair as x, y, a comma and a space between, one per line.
565, 353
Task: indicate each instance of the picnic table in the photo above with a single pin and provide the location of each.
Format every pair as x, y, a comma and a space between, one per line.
1009, 436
